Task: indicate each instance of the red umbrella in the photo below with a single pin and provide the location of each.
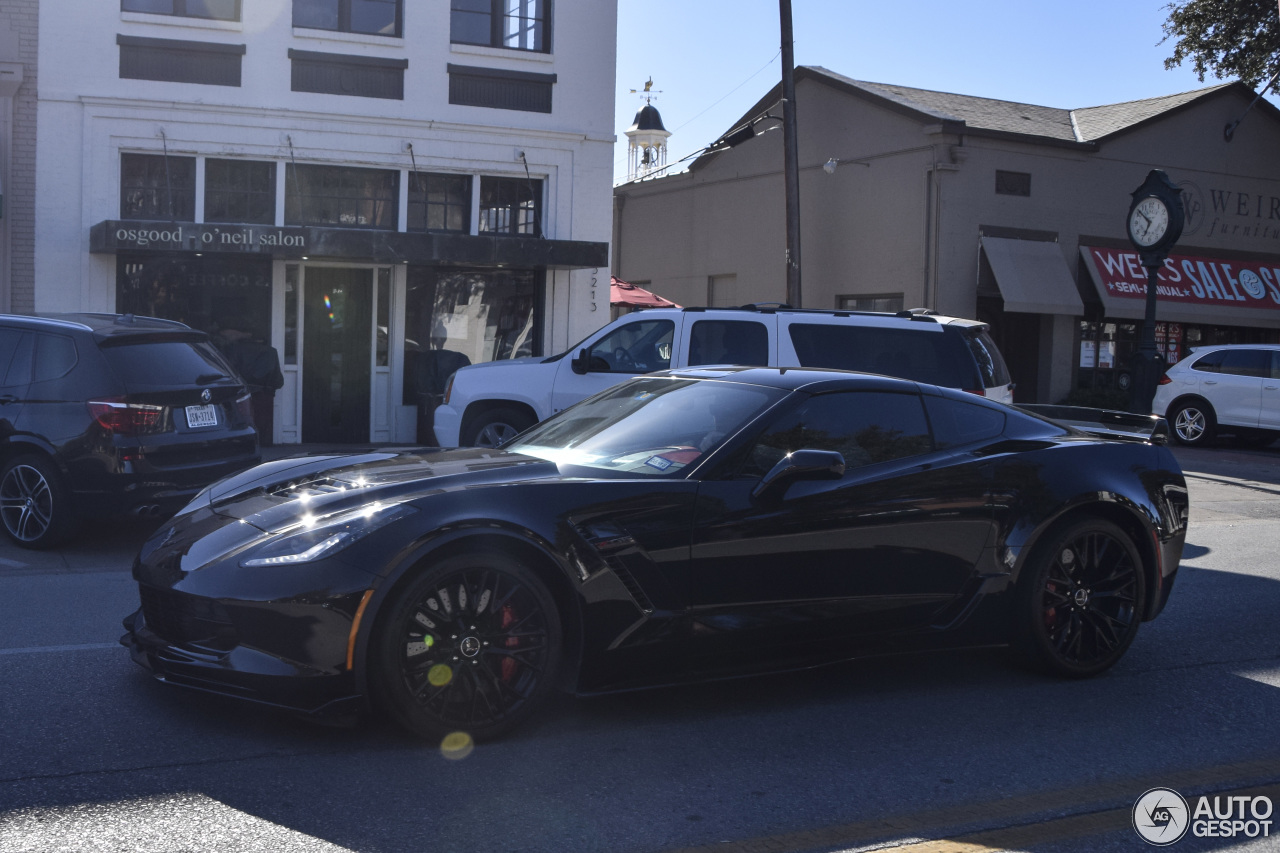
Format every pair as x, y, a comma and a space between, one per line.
625, 293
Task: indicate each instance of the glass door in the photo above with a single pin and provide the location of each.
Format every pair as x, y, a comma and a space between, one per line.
337, 354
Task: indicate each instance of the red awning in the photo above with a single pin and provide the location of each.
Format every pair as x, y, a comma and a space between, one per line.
625, 293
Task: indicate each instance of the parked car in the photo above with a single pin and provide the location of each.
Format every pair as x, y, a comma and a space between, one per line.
103, 413
487, 404
1231, 388
687, 525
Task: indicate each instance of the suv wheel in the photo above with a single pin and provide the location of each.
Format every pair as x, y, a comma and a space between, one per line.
1193, 423
35, 505
495, 427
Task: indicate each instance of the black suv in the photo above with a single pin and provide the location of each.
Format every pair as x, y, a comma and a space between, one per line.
112, 413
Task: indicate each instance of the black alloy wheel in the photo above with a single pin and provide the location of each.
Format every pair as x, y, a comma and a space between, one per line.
472, 645
35, 505
496, 427
1080, 599
1193, 423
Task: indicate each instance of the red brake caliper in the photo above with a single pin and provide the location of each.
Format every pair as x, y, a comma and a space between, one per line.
509, 664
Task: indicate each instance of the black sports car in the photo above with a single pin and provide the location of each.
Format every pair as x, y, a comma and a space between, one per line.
689, 525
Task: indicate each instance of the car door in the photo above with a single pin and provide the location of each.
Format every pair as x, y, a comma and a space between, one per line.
15, 376
628, 349
1234, 389
1270, 413
889, 545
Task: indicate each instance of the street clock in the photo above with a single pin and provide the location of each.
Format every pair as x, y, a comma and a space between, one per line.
1155, 216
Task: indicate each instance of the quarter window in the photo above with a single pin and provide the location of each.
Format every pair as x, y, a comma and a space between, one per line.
341, 197
370, 17
439, 202
510, 206
55, 356
153, 186
514, 24
240, 191
865, 427
215, 10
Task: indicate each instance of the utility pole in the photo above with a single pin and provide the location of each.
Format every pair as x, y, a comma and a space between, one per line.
790, 156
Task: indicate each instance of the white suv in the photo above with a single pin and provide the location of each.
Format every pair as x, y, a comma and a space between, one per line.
486, 404
1228, 388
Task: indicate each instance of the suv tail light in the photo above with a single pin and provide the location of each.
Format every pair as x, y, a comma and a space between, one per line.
981, 392
1165, 380
244, 409
121, 418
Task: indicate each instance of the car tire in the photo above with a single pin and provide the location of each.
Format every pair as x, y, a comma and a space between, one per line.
469, 650
496, 426
1079, 601
1193, 423
35, 505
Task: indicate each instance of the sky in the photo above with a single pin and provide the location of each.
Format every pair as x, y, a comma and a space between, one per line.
713, 59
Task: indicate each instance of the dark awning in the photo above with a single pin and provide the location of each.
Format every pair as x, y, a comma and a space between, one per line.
114, 236
1032, 276
1191, 288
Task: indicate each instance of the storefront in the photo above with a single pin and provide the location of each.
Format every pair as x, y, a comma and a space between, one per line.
1201, 300
367, 325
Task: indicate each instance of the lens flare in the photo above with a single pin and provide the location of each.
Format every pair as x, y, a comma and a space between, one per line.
440, 675
456, 746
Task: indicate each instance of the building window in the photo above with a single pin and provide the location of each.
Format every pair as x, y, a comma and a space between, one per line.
214, 10
511, 206
214, 292
370, 17
515, 24
341, 197
240, 191
153, 186
891, 302
1013, 183
174, 61
439, 202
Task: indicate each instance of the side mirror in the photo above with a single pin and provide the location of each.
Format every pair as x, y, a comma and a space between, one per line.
579, 365
800, 465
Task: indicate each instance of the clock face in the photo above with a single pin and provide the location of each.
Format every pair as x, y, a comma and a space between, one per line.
1148, 222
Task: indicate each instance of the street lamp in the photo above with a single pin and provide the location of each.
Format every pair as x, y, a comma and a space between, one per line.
1154, 225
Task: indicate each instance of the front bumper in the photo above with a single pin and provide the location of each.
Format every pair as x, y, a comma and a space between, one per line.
277, 636
447, 426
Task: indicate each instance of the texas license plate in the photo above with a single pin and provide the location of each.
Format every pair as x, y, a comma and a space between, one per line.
202, 416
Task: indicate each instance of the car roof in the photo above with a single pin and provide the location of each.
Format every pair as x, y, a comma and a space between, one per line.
102, 326
1202, 348
918, 315
811, 379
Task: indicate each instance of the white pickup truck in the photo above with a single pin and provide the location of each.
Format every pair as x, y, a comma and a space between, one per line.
486, 404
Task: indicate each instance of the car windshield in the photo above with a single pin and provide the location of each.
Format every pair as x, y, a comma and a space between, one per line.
651, 426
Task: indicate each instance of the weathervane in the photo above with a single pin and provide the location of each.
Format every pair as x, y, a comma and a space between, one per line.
648, 94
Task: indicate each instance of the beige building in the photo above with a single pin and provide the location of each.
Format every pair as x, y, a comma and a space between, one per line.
1011, 213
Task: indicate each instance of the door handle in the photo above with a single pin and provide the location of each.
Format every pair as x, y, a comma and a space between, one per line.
8, 398
1210, 382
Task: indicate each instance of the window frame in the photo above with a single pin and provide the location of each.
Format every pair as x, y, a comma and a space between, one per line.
535, 186
344, 20
165, 193
185, 13
498, 16
246, 195
420, 185
295, 207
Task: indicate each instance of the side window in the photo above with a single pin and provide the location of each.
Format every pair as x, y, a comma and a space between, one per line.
8, 346
1246, 362
957, 423
865, 427
19, 372
1211, 363
1275, 364
728, 342
921, 354
55, 356
640, 347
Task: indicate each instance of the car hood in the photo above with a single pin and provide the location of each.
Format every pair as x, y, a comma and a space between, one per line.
274, 495
501, 363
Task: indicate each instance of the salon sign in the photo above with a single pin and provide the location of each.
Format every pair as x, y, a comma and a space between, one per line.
1190, 279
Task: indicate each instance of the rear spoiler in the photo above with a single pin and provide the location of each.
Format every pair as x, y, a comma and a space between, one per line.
1106, 423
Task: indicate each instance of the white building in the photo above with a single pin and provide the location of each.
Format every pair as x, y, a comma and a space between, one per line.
377, 188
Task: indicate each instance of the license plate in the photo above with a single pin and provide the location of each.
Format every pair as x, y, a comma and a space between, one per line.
202, 416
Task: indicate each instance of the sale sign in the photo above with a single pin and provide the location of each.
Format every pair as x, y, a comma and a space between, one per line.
1190, 279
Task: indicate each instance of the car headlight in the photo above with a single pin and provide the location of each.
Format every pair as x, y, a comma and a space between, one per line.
314, 538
